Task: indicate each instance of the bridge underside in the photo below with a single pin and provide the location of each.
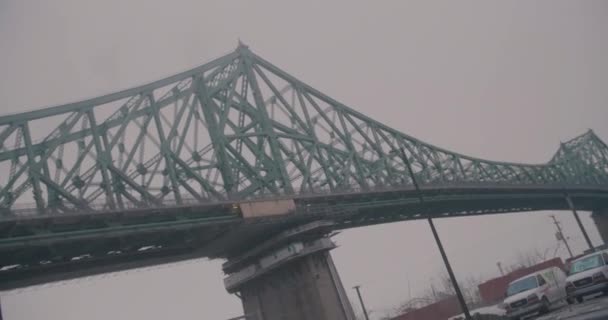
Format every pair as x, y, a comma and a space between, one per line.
118, 241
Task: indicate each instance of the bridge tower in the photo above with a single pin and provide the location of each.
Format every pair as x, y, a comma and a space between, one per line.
291, 276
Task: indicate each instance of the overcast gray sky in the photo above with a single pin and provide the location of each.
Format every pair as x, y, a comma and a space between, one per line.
502, 80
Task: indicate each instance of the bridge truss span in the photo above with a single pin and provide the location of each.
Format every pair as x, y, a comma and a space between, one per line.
235, 128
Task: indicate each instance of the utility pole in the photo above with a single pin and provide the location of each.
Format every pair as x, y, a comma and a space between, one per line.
361, 301
409, 290
463, 304
433, 290
499, 265
560, 234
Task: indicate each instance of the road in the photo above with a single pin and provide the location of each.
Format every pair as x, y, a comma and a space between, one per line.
593, 309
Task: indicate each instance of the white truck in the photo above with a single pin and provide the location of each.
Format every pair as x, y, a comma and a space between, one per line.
535, 293
587, 275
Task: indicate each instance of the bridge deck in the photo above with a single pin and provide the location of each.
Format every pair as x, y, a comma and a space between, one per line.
123, 240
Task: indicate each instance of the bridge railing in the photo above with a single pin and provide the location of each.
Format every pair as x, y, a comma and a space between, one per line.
29, 210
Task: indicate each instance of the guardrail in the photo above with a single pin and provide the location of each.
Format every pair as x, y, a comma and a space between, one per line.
25, 210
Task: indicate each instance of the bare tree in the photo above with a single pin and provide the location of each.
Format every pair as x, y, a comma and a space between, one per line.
528, 259
441, 287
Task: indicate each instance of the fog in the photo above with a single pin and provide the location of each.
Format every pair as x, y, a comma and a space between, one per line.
502, 80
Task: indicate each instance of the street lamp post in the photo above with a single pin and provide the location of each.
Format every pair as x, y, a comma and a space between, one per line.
459, 295
361, 301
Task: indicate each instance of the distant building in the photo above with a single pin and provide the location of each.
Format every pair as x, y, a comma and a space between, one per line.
493, 291
440, 310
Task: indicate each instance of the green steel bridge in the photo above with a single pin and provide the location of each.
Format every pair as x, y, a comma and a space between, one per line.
156, 173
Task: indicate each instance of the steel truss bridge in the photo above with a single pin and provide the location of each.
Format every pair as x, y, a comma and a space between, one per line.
155, 173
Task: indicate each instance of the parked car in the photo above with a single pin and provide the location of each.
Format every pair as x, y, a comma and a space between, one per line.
587, 275
535, 293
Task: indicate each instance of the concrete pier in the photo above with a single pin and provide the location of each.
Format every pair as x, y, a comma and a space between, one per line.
292, 277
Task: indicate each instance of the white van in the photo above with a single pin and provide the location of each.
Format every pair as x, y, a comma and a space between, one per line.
587, 275
535, 293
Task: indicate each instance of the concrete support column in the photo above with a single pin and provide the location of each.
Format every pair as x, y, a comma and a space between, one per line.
292, 278
305, 289
600, 217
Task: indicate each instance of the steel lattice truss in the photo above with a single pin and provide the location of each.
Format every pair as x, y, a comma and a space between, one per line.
237, 127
